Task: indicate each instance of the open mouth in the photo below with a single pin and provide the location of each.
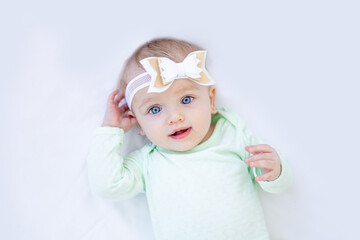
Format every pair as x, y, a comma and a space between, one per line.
181, 133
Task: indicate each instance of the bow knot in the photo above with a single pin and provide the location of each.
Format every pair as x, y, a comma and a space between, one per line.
163, 71
180, 69
170, 70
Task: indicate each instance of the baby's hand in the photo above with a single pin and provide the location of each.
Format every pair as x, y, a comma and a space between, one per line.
265, 158
116, 116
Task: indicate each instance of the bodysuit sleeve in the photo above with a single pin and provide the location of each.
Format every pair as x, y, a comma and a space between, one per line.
277, 185
112, 176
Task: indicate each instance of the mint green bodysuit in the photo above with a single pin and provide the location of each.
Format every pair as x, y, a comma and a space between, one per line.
208, 192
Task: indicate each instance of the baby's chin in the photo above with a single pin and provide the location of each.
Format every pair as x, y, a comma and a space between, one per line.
182, 149
179, 147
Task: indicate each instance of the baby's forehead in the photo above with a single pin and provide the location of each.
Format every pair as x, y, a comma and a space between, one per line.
180, 86
143, 94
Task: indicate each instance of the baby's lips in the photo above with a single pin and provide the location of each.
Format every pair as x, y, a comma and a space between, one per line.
178, 130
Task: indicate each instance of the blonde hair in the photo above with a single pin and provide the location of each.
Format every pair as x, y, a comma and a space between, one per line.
174, 49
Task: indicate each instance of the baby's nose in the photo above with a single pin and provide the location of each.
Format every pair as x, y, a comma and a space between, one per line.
175, 117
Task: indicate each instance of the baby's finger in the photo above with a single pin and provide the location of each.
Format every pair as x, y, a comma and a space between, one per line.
112, 96
267, 164
113, 93
124, 107
120, 96
260, 156
259, 148
266, 177
122, 102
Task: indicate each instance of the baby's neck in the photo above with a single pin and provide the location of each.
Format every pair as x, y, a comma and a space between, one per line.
209, 133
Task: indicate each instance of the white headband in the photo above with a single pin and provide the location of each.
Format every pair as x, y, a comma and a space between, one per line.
161, 72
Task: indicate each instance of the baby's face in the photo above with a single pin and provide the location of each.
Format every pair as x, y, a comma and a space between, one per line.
177, 119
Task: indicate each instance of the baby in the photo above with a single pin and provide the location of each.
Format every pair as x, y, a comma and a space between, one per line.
201, 170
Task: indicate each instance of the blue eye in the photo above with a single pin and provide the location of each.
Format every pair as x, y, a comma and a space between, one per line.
155, 110
187, 100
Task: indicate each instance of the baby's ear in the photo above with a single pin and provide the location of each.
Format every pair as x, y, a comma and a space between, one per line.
131, 114
212, 95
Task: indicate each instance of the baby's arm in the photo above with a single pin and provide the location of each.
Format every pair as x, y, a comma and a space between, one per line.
110, 175
275, 173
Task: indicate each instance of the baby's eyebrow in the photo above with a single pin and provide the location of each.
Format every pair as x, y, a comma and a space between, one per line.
187, 88
146, 100
149, 99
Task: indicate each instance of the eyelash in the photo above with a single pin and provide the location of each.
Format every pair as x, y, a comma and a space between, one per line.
151, 110
191, 99
154, 107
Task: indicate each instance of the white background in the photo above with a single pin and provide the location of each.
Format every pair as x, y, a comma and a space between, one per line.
290, 68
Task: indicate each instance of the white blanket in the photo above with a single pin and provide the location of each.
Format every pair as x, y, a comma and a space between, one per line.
290, 69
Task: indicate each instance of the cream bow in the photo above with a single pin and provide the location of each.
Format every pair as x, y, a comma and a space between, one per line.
164, 71
170, 70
